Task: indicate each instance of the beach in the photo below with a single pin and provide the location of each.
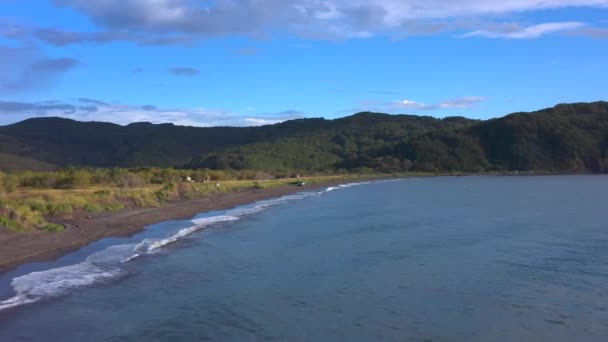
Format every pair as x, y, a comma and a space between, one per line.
84, 228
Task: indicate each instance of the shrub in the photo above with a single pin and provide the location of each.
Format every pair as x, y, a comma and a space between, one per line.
53, 227
131, 180
94, 207
64, 183
168, 192
8, 183
185, 191
114, 206
9, 223
60, 208
38, 204
81, 178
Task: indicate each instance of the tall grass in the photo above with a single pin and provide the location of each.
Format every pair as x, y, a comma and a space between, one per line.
29, 208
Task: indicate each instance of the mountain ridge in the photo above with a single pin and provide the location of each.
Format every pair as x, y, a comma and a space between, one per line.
566, 137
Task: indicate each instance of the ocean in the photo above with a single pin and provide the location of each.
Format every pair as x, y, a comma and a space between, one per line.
485, 258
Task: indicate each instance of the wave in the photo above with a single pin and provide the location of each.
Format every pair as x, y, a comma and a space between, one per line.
342, 186
148, 246
108, 264
55, 282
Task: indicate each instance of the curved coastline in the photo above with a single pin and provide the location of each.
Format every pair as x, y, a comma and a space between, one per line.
84, 228
109, 263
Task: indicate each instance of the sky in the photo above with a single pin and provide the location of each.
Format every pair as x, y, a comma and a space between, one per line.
254, 62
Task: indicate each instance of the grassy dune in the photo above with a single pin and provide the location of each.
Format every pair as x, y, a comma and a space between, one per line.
26, 208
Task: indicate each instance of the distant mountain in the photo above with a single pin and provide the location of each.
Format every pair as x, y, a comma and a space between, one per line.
568, 137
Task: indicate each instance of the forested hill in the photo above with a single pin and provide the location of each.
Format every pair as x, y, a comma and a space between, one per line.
565, 138
65, 142
568, 137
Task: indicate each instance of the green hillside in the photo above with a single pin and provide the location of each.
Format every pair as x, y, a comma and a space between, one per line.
67, 142
567, 137
11, 162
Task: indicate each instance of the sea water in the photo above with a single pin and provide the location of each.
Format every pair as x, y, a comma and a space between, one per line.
435, 259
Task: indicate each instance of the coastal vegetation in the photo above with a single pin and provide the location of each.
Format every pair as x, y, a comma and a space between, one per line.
55, 167
32, 200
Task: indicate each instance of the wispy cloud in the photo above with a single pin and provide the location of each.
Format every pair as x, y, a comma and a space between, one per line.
54, 65
363, 91
94, 110
61, 37
529, 32
466, 102
409, 104
184, 71
462, 103
247, 51
149, 107
593, 32
92, 101
13, 107
27, 68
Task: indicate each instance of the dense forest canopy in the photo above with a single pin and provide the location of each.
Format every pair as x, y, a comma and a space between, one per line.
566, 138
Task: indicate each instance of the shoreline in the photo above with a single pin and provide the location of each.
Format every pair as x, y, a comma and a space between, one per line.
85, 228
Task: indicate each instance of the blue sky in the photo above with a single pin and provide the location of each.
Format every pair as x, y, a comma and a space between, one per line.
251, 62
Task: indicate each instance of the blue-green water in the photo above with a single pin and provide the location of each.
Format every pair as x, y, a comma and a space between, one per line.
442, 259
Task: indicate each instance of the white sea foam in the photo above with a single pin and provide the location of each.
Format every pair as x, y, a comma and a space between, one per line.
148, 246
342, 186
55, 282
101, 266
106, 265
265, 204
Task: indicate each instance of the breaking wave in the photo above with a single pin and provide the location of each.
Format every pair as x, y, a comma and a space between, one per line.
342, 186
108, 264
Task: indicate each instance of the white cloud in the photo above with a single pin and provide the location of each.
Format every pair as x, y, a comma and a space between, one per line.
261, 121
311, 18
462, 103
412, 105
529, 32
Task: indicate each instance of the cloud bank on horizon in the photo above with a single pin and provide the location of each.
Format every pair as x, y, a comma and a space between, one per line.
84, 109
35, 53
